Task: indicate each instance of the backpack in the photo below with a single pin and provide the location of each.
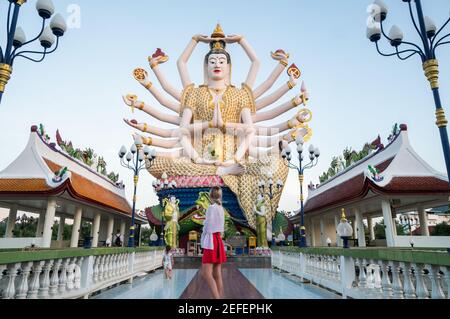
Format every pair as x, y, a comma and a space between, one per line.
118, 242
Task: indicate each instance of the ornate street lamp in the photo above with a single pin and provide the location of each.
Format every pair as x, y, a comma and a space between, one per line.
314, 154
16, 38
137, 159
430, 41
270, 190
163, 184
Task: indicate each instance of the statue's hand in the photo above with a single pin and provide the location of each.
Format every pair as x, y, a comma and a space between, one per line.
293, 80
202, 38
233, 39
134, 123
130, 99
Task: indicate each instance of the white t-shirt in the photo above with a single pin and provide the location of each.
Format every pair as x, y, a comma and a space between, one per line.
214, 223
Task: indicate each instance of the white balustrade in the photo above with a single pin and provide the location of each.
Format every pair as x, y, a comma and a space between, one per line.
64, 277
364, 278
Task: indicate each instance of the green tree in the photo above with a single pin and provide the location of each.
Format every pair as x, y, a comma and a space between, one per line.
67, 233
25, 227
145, 236
442, 229
3, 227
380, 232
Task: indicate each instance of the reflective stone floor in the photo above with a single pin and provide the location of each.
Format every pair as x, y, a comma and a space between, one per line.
272, 285
152, 286
269, 283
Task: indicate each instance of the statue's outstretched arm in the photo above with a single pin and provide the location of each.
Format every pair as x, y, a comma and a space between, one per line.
167, 133
275, 96
169, 88
279, 110
281, 127
133, 102
145, 82
158, 142
184, 58
282, 57
256, 63
272, 141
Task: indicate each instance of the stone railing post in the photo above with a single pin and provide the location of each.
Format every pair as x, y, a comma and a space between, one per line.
131, 257
11, 275
347, 274
22, 290
302, 266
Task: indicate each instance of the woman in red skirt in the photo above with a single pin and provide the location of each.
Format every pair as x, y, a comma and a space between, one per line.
213, 249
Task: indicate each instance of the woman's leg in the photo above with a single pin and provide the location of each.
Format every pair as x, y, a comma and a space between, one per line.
217, 274
207, 271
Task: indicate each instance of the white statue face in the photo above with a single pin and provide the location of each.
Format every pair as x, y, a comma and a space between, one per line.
173, 199
218, 68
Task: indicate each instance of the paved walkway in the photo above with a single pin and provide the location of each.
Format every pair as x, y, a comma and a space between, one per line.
238, 284
235, 286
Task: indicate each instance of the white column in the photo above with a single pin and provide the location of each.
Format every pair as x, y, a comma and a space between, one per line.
359, 225
423, 218
49, 222
338, 239
322, 231
76, 227
40, 225
62, 223
122, 232
110, 231
355, 234
95, 229
313, 234
388, 222
371, 229
11, 221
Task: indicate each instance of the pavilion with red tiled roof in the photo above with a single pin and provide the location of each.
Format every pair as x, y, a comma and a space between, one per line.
405, 183
31, 183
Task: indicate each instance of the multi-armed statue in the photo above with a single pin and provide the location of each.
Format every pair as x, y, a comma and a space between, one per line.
218, 131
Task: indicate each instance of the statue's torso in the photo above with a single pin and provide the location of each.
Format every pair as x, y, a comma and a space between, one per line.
201, 101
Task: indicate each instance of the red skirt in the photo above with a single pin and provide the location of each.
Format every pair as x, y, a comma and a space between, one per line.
216, 255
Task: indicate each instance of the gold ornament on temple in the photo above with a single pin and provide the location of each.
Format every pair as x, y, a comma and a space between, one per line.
294, 71
218, 32
343, 217
140, 74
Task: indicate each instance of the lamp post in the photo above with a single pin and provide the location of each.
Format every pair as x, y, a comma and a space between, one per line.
314, 154
163, 184
16, 38
408, 221
430, 41
137, 159
270, 190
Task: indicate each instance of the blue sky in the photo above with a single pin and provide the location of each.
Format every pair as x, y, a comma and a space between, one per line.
355, 93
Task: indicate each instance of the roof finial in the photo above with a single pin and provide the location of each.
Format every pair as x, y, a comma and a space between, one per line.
218, 32
343, 217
